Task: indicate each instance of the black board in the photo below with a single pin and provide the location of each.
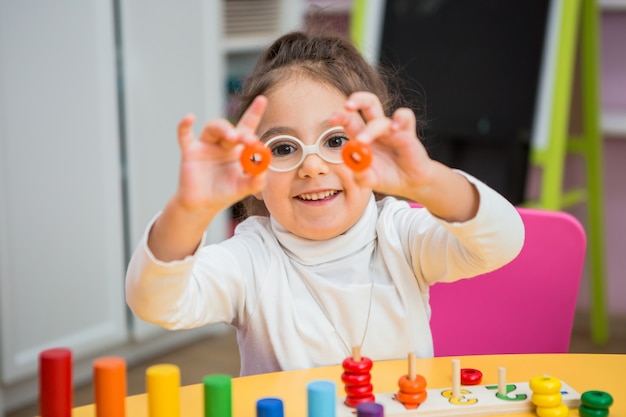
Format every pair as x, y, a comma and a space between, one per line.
471, 69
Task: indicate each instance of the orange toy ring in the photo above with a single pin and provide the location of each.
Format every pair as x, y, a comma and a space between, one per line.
357, 155
415, 386
411, 399
255, 158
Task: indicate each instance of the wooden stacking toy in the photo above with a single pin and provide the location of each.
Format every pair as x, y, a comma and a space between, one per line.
55, 383
255, 158
412, 386
357, 155
547, 397
357, 379
109, 382
595, 404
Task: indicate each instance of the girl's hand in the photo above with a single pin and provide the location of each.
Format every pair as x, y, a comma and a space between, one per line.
211, 177
400, 163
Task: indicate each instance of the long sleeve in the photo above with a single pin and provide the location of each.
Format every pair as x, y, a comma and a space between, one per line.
443, 251
206, 287
154, 289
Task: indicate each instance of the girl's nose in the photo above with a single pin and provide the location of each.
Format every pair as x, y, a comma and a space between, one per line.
313, 166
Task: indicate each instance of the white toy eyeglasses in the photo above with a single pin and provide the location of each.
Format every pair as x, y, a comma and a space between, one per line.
288, 152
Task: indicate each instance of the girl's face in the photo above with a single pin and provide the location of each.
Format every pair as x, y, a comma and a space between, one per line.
317, 200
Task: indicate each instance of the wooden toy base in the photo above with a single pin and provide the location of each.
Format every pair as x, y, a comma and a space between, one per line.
474, 400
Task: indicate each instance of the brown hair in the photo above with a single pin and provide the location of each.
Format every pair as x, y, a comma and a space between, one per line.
329, 59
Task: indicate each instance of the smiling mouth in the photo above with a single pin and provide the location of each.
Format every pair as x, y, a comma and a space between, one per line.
317, 196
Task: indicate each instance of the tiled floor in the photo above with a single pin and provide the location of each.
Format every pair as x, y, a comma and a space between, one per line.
224, 358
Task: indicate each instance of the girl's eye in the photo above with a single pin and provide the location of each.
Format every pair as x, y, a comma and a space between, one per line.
337, 141
283, 149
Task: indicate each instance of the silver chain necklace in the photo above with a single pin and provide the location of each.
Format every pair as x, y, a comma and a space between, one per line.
348, 348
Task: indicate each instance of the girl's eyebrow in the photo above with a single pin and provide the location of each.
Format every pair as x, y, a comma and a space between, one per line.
285, 130
275, 131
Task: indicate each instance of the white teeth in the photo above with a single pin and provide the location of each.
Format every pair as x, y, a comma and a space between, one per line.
317, 196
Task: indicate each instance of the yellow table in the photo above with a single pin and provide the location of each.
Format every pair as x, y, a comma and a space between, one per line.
582, 372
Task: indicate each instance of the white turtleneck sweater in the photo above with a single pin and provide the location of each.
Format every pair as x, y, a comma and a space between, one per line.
298, 303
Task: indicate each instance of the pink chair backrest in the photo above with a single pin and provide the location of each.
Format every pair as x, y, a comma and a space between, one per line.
526, 306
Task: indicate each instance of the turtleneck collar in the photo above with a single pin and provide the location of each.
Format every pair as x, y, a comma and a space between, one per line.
313, 252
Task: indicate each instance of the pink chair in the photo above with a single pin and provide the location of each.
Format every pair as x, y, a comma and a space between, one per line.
526, 306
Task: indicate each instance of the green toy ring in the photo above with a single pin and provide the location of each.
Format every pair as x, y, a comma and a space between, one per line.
584, 411
598, 400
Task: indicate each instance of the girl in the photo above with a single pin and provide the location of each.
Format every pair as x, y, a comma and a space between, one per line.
319, 266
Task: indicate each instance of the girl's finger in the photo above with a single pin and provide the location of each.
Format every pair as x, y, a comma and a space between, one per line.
185, 134
374, 129
251, 118
351, 122
219, 131
404, 119
367, 103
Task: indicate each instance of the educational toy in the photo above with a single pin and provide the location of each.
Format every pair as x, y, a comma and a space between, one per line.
470, 376
477, 400
217, 395
55, 382
357, 377
357, 155
321, 397
109, 381
595, 403
412, 386
545, 396
255, 158
270, 407
370, 410
163, 388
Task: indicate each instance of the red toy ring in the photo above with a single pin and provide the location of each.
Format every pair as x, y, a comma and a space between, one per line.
357, 155
354, 401
255, 158
471, 376
359, 391
362, 366
350, 378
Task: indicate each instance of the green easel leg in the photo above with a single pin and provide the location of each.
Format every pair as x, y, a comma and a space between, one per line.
593, 144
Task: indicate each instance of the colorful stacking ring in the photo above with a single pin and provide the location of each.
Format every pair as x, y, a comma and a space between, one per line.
350, 365
255, 158
595, 404
596, 399
350, 378
545, 385
560, 410
547, 400
471, 376
414, 386
357, 155
585, 411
